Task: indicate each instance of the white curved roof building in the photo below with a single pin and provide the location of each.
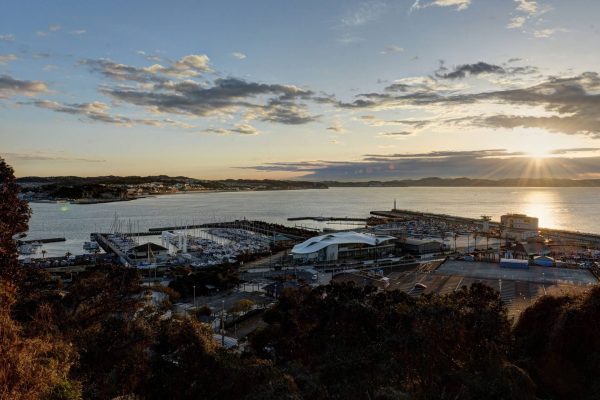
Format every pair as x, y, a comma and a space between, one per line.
333, 246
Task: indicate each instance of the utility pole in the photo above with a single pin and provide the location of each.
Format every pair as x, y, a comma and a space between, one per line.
222, 323
376, 252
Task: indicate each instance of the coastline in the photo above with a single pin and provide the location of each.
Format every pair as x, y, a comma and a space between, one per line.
102, 201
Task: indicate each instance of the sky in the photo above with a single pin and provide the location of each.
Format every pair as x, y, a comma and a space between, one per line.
336, 90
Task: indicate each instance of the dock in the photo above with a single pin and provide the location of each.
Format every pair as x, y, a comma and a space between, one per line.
109, 247
573, 237
324, 219
49, 240
268, 229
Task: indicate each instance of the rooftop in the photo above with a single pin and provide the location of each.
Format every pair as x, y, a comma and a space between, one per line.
320, 242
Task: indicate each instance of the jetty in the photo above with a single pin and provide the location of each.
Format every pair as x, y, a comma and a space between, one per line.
48, 240
570, 237
325, 219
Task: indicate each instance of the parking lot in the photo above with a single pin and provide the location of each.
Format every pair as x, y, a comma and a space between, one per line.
518, 288
536, 274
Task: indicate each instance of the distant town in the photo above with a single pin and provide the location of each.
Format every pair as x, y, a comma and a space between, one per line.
90, 190
114, 188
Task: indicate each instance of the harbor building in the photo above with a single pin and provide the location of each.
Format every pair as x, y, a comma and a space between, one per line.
343, 245
150, 252
519, 226
421, 246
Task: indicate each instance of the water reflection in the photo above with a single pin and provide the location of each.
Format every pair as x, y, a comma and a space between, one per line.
543, 205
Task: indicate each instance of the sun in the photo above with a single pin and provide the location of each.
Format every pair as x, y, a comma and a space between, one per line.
538, 154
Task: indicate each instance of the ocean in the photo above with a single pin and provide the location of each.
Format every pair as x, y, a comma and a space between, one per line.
565, 208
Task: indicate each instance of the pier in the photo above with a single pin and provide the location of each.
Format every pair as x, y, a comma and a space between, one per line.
324, 219
109, 247
49, 240
264, 228
574, 237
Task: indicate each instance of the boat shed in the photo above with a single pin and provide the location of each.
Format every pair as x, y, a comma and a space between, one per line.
148, 251
544, 261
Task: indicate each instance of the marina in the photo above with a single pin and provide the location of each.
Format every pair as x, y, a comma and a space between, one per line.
410, 250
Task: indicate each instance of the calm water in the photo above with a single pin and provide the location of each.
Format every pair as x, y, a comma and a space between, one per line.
568, 208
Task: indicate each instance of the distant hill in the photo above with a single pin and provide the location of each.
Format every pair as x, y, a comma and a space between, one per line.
273, 184
471, 182
256, 184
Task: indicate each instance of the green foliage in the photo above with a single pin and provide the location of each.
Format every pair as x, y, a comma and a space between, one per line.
14, 216
221, 277
242, 306
31, 365
65, 390
346, 342
557, 341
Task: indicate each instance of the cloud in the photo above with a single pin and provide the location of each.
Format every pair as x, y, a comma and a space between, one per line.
7, 38
41, 156
336, 127
78, 32
121, 72
10, 87
364, 13
240, 129
6, 58
575, 150
516, 22
238, 55
532, 10
347, 39
51, 28
392, 49
395, 134
569, 104
465, 70
548, 32
224, 96
149, 57
574, 101
527, 6
482, 68
458, 4
193, 62
486, 163
189, 66
99, 112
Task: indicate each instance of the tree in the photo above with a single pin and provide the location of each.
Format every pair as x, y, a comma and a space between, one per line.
14, 216
347, 342
557, 340
32, 365
242, 306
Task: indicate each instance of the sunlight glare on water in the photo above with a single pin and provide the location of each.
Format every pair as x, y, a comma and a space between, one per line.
542, 204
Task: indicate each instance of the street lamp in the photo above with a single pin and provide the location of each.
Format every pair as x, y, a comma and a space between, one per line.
194, 295
376, 252
222, 323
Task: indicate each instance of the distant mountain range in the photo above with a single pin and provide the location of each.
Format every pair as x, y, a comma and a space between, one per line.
225, 184
470, 182
272, 184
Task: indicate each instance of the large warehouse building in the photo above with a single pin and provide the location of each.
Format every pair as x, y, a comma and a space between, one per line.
343, 245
